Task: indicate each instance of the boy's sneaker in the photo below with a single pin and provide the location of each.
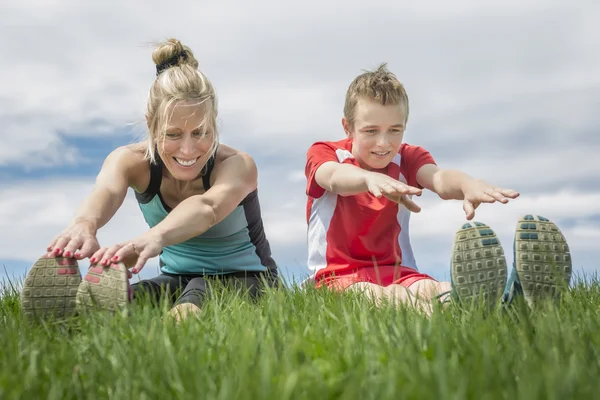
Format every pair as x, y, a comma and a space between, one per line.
105, 288
542, 266
478, 265
50, 288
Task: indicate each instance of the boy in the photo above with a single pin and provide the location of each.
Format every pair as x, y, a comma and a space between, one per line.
359, 203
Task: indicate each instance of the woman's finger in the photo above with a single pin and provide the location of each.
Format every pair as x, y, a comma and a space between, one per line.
89, 247
60, 245
71, 247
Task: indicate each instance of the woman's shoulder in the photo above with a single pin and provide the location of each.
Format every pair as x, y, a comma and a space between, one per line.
132, 161
230, 154
230, 160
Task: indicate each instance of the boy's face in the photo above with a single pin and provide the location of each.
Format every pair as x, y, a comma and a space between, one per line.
377, 132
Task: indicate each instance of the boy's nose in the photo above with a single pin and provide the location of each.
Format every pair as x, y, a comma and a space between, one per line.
382, 140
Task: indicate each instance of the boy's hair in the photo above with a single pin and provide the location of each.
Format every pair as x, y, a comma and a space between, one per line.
380, 85
177, 79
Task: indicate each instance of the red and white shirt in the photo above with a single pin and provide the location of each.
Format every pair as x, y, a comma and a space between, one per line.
345, 233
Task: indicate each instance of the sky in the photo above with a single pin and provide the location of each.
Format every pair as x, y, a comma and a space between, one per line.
506, 91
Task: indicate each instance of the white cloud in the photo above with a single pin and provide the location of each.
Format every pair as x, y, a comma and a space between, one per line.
85, 69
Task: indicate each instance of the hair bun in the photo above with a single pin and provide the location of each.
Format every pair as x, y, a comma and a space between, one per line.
172, 53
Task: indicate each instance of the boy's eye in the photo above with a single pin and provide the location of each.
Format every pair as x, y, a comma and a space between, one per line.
199, 133
172, 135
371, 131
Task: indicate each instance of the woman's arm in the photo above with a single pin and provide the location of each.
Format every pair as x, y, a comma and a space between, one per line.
79, 239
234, 178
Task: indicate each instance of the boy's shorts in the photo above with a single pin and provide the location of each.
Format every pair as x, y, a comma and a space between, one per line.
381, 275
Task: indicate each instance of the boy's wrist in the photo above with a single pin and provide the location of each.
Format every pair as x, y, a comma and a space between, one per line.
365, 179
466, 181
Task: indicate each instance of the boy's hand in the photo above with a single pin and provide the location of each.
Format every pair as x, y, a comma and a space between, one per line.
382, 185
476, 192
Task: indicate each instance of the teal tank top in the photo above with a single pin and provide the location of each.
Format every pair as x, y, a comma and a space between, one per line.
238, 243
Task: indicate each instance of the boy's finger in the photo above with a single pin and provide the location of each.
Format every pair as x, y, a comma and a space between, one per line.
375, 191
499, 197
410, 205
486, 198
405, 189
469, 209
509, 193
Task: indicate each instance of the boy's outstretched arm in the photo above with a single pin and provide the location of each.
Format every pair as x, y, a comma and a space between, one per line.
349, 180
456, 185
342, 179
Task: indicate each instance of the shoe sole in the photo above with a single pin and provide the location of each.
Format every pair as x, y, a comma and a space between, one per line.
50, 288
478, 265
105, 288
542, 259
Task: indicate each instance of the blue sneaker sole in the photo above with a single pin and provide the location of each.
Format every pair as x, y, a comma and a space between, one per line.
478, 266
542, 259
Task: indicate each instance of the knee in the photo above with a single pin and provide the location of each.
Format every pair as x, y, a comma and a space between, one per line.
184, 311
443, 287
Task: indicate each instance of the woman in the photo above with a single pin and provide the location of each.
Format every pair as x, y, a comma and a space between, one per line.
198, 197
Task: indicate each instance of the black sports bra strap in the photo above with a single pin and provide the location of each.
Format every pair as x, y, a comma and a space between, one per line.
155, 177
206, 177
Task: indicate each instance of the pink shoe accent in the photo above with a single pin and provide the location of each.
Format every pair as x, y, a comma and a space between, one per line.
96, 270
92, 278
67, 271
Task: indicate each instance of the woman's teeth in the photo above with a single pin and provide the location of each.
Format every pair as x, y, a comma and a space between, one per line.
186, 163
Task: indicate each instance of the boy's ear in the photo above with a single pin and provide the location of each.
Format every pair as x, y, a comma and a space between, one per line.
346, 127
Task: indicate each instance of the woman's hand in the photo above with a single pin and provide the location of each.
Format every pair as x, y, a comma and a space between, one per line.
77, 241
133, 253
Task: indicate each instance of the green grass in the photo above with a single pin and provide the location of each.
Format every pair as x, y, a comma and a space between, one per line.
312, 344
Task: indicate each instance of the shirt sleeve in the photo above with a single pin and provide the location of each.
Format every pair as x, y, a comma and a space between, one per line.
318, 154
415, 157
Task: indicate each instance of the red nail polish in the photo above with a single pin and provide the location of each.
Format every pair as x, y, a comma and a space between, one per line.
67, 254
115, 258
93, 259
56, 251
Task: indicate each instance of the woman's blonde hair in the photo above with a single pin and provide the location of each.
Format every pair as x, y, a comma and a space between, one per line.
178, 79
